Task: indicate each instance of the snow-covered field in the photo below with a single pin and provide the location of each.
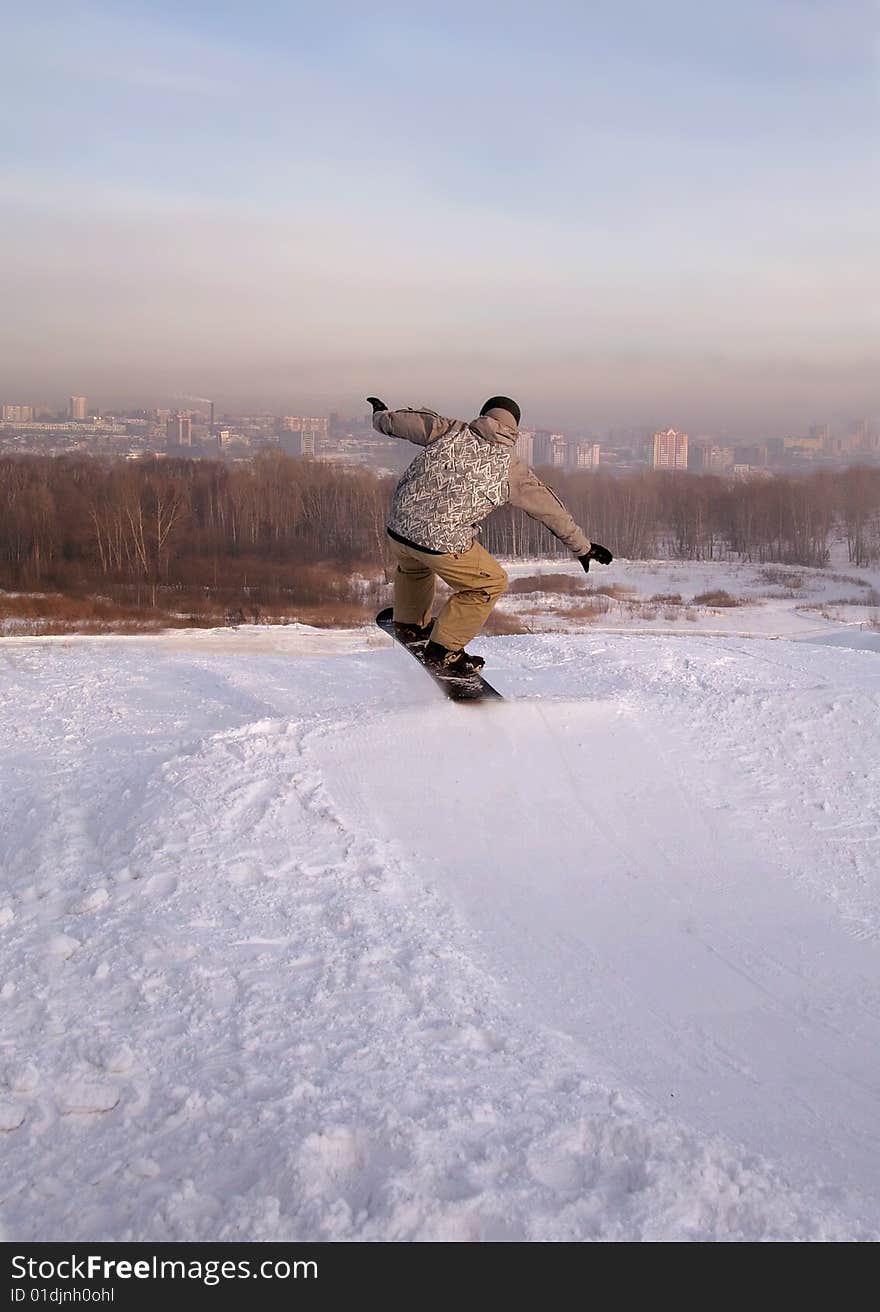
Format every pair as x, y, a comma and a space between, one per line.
840, 603
292, 948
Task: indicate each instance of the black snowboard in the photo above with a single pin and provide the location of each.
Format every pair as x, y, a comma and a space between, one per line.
472, 688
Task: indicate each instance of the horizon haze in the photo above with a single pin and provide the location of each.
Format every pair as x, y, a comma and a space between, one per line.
622, 214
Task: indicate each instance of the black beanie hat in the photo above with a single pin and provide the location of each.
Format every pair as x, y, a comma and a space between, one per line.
502, 403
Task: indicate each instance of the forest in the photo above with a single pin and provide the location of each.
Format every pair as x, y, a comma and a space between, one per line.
277, 537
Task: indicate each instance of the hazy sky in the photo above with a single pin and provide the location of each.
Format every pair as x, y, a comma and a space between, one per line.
617, 212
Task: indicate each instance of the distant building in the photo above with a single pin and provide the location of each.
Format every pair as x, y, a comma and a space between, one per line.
304, 435
559, 451
525, 446
754, 455
178, 429
866, 436
318, 424
721, 459
709, 457
549, 449
17, 414
670, 449
77, 407
631, 443
541, 448
802, 443
585, 455
300, 443
842, 446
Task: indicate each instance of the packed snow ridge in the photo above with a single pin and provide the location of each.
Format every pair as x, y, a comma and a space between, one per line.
293, 948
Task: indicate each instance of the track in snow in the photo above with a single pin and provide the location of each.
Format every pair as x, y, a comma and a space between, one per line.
673, 939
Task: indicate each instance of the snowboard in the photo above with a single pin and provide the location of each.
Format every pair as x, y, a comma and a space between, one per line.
458, 688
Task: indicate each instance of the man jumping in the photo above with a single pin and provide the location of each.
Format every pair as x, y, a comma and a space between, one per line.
466, 471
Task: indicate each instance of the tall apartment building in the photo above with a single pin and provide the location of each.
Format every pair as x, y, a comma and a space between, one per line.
549, 449
303, 435
178, 429
17, 414
525, 446
670, 450
77, 407
585, 455
302, 442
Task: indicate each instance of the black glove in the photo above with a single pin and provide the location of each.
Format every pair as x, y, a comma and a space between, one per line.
376, 404
597, 553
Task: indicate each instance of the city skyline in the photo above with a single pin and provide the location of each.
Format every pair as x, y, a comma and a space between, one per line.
18, 407
642, 215
84, 428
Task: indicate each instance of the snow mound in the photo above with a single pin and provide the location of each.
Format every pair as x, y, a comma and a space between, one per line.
298, 950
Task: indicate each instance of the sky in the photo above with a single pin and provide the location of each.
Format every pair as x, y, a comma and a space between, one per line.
619, 213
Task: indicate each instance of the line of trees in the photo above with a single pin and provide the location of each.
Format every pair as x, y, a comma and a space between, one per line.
134, 530
76, 523
708, 517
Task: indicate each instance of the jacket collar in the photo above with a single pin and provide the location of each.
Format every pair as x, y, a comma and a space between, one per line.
496, 426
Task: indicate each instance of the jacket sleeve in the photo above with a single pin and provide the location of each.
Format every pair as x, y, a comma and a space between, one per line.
419, 426
528, 493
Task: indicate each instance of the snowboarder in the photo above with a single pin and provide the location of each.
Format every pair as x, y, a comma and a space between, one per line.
465, 472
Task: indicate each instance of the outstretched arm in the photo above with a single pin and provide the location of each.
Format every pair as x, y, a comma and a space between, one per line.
419, 426
540, 503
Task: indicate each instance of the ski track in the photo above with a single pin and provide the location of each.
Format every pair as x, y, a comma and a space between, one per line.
293, 950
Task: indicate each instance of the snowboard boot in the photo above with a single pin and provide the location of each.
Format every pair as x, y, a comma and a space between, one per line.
460, 664
412, 634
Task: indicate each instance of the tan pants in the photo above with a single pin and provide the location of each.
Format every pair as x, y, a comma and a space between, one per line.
476, 579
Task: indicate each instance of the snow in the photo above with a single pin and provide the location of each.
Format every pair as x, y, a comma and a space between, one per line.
840, 604
292, 948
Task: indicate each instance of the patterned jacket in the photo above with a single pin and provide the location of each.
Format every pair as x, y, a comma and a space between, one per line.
464, 473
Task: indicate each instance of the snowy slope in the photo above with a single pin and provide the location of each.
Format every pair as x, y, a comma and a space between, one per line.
839, 604
292, 948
